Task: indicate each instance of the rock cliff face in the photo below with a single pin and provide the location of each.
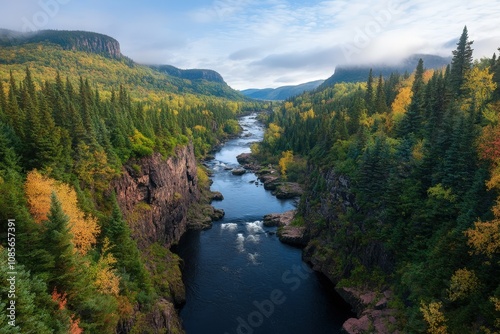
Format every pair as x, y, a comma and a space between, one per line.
68, 40
155, 194
190, 74
335, 251
335, 235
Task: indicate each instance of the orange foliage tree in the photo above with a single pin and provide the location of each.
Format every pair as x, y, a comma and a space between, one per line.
61, 299
38, 189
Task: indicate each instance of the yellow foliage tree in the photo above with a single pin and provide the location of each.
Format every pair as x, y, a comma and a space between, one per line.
286, 159
402, 100
463, 282
92, 166
105, 278
38, 189
434, 317
479, 85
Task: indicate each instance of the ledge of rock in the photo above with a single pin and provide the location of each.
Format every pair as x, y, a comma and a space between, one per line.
288, 234
279, 219
293, 235
270, 181
287, 190
372, 311
201, 217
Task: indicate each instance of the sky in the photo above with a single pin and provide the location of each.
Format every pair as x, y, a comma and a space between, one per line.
268, 43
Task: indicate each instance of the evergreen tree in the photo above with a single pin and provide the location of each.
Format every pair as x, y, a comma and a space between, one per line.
369, 95
380, 98
56, 240
461, 62
125, 251
411, 124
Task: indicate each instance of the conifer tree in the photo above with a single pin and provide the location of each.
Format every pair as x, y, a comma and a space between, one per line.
411, 124
56, 239
369, 95
380, 98
461, 62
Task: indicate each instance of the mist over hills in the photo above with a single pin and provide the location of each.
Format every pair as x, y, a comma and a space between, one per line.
359, 73
281, 93
348, 73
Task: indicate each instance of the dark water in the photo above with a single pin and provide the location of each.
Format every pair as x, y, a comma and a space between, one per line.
239, 277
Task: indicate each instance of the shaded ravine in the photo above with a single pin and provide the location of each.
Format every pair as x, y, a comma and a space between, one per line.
239, 277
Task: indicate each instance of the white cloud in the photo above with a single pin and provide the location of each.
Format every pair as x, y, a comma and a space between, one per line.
265, 43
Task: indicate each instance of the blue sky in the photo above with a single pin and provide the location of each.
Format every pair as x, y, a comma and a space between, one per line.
268, 43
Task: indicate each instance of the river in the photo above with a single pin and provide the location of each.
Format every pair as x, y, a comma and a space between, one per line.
239, 277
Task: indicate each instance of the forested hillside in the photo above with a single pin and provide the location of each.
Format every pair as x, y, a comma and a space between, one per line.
402, 188
70, 121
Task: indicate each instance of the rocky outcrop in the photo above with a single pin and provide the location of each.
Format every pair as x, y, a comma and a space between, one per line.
279, 219
68, 40
287, 190
287, 232
335, 252
190, 74
155, 195
372, 312
160, 199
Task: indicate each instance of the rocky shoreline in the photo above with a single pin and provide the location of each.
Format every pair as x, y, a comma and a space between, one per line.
269, 176
288, 233
371, 308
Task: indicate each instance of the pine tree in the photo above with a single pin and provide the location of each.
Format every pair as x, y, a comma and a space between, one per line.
380, 98
411, 124
461, 62
369, 101
56, 239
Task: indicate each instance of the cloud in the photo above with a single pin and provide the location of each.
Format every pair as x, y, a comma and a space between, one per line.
309, 59
265, 43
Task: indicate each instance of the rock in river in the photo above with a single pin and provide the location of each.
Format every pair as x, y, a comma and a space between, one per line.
238, 171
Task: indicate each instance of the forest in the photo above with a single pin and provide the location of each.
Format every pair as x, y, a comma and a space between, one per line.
420, 214
64, 138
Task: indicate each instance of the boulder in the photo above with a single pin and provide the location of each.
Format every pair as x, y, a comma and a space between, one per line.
244, 158
238, 171
216, 196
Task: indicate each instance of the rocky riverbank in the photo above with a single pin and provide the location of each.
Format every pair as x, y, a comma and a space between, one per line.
288, 233
270, 177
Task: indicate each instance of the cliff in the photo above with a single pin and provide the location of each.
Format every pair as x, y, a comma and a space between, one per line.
190, 74
155, 194
337, 250
69, 40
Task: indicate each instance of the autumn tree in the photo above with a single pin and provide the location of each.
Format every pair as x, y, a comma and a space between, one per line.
84, 228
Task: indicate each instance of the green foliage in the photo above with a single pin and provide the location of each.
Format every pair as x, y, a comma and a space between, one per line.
82, 133
398, 188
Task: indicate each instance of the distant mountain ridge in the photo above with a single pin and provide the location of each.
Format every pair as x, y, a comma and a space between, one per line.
69, 40
360, 73
190, 74
281, 93
164, 77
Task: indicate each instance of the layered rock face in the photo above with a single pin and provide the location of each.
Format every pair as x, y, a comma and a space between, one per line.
333, 248
155, 194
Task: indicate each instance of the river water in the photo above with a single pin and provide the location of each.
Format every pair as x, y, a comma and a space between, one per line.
239, 277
